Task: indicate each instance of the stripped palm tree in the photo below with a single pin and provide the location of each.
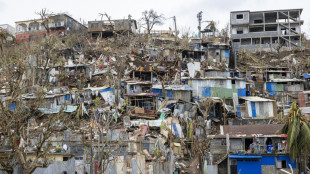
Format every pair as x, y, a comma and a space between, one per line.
212, 26
3, 36
298, 133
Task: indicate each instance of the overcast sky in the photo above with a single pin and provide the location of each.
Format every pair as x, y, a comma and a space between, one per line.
184, 10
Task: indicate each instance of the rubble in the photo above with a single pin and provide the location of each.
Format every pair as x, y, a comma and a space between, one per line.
115, 101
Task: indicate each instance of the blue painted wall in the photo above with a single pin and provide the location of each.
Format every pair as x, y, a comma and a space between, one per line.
254, 167
107, 89
253, 109
246, 167
159, 91
271, 87
206, 92
287, 158
169, 93
241, 92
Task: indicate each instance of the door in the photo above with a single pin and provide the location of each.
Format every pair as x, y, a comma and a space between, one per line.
253, 109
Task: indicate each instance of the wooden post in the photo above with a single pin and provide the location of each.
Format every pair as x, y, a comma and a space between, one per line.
228, 149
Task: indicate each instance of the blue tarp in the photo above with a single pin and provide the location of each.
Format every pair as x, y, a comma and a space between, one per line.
226, 53
12, 107
238, 110
67, 97
159, 91
169, 93
245, 156
206, 92
306, 76
107, 89
174, 126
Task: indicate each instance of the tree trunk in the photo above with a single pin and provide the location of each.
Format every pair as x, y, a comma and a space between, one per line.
163, 89
91, 150
117, 91
10, 171
299, 162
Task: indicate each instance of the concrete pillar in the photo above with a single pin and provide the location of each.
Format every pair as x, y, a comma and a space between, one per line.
264, 20
299, 27
289, 28
134, 166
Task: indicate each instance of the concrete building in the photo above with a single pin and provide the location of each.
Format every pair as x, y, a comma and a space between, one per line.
251, 149
105, 28
8, 28
265, 30
59, 25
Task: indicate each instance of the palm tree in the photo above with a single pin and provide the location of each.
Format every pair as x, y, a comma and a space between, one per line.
3, 36
298, 134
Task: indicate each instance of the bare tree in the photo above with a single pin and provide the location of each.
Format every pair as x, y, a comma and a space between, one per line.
150, 19
225, 32
24, 146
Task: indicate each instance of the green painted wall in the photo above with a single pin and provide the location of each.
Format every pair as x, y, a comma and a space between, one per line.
223, 92
279, 87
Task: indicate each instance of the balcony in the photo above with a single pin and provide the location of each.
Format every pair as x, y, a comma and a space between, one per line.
57, 24
256, 34
256, 149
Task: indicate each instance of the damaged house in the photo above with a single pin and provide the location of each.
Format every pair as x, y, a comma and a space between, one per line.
59, 25
105, 28
249, 149
265, 30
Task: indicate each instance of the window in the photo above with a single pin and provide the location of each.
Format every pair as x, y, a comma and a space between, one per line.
247, 143
236, 40
258, 21
271, 28
65, 158
233, 166
239, 31
94, 25
282, 164
57, 24
239, 16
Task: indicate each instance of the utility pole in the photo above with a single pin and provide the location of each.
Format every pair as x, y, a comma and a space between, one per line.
199, 17
129, 23
175, 28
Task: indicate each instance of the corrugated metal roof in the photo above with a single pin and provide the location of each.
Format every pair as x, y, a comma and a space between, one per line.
142, 94
68, 109
256, 99
244, 156
96, 88
262, 129
286, 80
174, 87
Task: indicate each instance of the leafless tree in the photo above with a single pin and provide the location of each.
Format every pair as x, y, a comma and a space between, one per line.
150, 19
225, 33
24, 146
